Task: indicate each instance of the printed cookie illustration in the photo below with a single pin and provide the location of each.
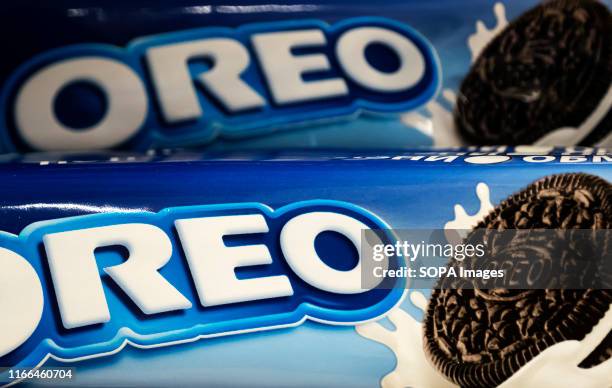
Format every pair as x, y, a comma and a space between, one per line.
549, 69
478, 337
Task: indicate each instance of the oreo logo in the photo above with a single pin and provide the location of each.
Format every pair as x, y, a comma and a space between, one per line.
190, 87
83, 287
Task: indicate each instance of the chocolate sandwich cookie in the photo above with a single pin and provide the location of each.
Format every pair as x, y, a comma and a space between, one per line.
548, 69
481, 337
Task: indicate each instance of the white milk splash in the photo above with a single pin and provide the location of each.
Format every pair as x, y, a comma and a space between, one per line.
556, 367
406, 342
463, 222
568, 136
440, 126
478, 41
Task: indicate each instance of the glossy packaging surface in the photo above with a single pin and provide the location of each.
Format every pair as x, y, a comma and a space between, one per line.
236, 75
216, 294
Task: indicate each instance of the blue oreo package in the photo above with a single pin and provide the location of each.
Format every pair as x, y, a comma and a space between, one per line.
235, 75
178, 269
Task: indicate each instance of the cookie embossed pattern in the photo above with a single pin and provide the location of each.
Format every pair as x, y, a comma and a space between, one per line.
325, 75
477, 337
489, 107
576, 353
118, 265
555, 58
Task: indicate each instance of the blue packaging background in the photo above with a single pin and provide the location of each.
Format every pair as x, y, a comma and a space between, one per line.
32, 27
405, 194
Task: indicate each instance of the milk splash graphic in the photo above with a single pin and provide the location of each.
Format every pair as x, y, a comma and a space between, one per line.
440, 126
483, 35
557, 366
406, 342
413, 369
463, 222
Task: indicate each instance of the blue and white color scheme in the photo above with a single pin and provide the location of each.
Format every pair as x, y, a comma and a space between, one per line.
238, 75
183, 277
234, 270
199, 84
195, 85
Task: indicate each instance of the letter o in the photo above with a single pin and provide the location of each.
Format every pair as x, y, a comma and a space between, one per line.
21, 300
350, 51
297, 243
39, 127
